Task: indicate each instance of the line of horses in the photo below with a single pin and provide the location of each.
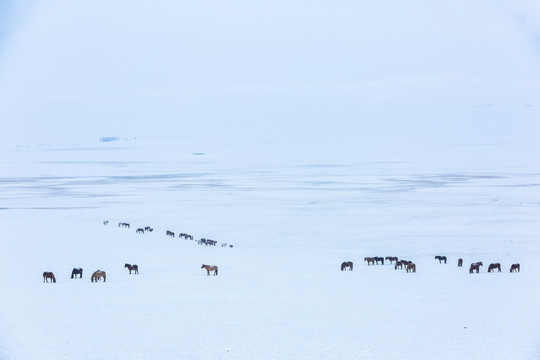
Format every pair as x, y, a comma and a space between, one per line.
411, 267
202, 241
99, 274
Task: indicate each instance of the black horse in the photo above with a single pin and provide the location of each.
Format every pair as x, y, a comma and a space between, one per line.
441, 259
132, 268
169, 233
140, 231
347, 264
75, 272
377, 259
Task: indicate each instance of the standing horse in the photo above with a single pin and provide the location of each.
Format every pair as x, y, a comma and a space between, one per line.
514, 268
209, 268
441, 258
460, 262
169, 233
475, 266
132, 268
377, 259
347, 264
411, 267
399, 264
370, 260
98, 274
76, 272
48, 275
492, 267
391, 258
140, 231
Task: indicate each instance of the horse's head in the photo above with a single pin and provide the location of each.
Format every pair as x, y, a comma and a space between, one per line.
480, 264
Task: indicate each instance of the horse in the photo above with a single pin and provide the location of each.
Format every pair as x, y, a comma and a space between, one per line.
492, 267
98, 274
132, 268
169, 233
369, 260
441, 258
399, 264
75, 272
123, 224
140, 231
209, 268
347, 264
411, 267
49, 275
223, 244
148, 228
377, 259
460, 262
106, 222
475, 266
514, 268
391, 258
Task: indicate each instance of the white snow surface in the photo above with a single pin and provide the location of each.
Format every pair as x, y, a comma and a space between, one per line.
292, 219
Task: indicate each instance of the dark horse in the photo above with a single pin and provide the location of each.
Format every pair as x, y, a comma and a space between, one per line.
514, 268
132, 268
391, 258
460, 262
377, 259
441, 258
76, 272
48, 275
169, 233
492, 267
475, 266
411, 267
346, 264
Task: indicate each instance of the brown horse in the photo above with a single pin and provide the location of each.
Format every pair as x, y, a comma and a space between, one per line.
370, 260
48, 275
132, 268
492, 267
460, 262
346, 264
475, 266
391, 258
514, 268
98, 274
411, 267
209, 268
399, 264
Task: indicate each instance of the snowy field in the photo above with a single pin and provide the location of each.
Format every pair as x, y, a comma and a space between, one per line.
292, 218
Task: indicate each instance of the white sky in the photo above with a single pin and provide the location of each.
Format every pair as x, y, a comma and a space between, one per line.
453, 71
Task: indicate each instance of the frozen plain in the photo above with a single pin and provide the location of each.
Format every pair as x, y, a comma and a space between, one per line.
292, 220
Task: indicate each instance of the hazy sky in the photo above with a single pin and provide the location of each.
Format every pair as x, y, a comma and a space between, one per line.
455, 70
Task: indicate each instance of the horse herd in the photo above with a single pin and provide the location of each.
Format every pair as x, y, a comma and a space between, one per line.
411, 267
99, 274
202, 241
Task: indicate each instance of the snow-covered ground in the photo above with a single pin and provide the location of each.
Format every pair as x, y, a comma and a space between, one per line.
292, 218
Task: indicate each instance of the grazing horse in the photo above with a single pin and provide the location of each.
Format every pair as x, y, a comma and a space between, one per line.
169, 233
492, 267
377, 259
106, 222
391, 258
75, 272
209, 268
98, 274
441, 258
49, 275
148, 228
411, 267
399, 264
475, 266
460, 262
140, 231
347, 264
132, 268
514, 268
369, 260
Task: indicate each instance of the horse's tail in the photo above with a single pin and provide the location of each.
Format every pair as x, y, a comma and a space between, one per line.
72, 273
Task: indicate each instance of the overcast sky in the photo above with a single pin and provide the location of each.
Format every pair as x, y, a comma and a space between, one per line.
343, 70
